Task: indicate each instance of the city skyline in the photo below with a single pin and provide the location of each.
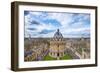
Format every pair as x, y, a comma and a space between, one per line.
44, 24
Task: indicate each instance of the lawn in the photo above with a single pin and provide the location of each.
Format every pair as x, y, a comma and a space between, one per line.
66, 57
49, 58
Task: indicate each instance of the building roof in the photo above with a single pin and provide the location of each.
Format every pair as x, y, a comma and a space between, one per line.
58, 35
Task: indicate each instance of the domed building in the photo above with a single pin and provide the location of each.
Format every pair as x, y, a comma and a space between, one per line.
57, 45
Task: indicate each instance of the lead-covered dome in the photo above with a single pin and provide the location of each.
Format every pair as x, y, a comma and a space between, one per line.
58, 35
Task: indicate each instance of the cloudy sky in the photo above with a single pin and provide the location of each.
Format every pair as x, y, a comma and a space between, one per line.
45, 24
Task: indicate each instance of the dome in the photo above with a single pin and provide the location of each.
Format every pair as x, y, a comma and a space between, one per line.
58, 35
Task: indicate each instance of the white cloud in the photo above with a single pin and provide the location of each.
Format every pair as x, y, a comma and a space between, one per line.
63, 18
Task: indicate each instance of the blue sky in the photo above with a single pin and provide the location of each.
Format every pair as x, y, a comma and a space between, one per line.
45, 24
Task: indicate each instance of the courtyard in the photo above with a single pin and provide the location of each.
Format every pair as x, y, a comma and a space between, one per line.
65, 57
